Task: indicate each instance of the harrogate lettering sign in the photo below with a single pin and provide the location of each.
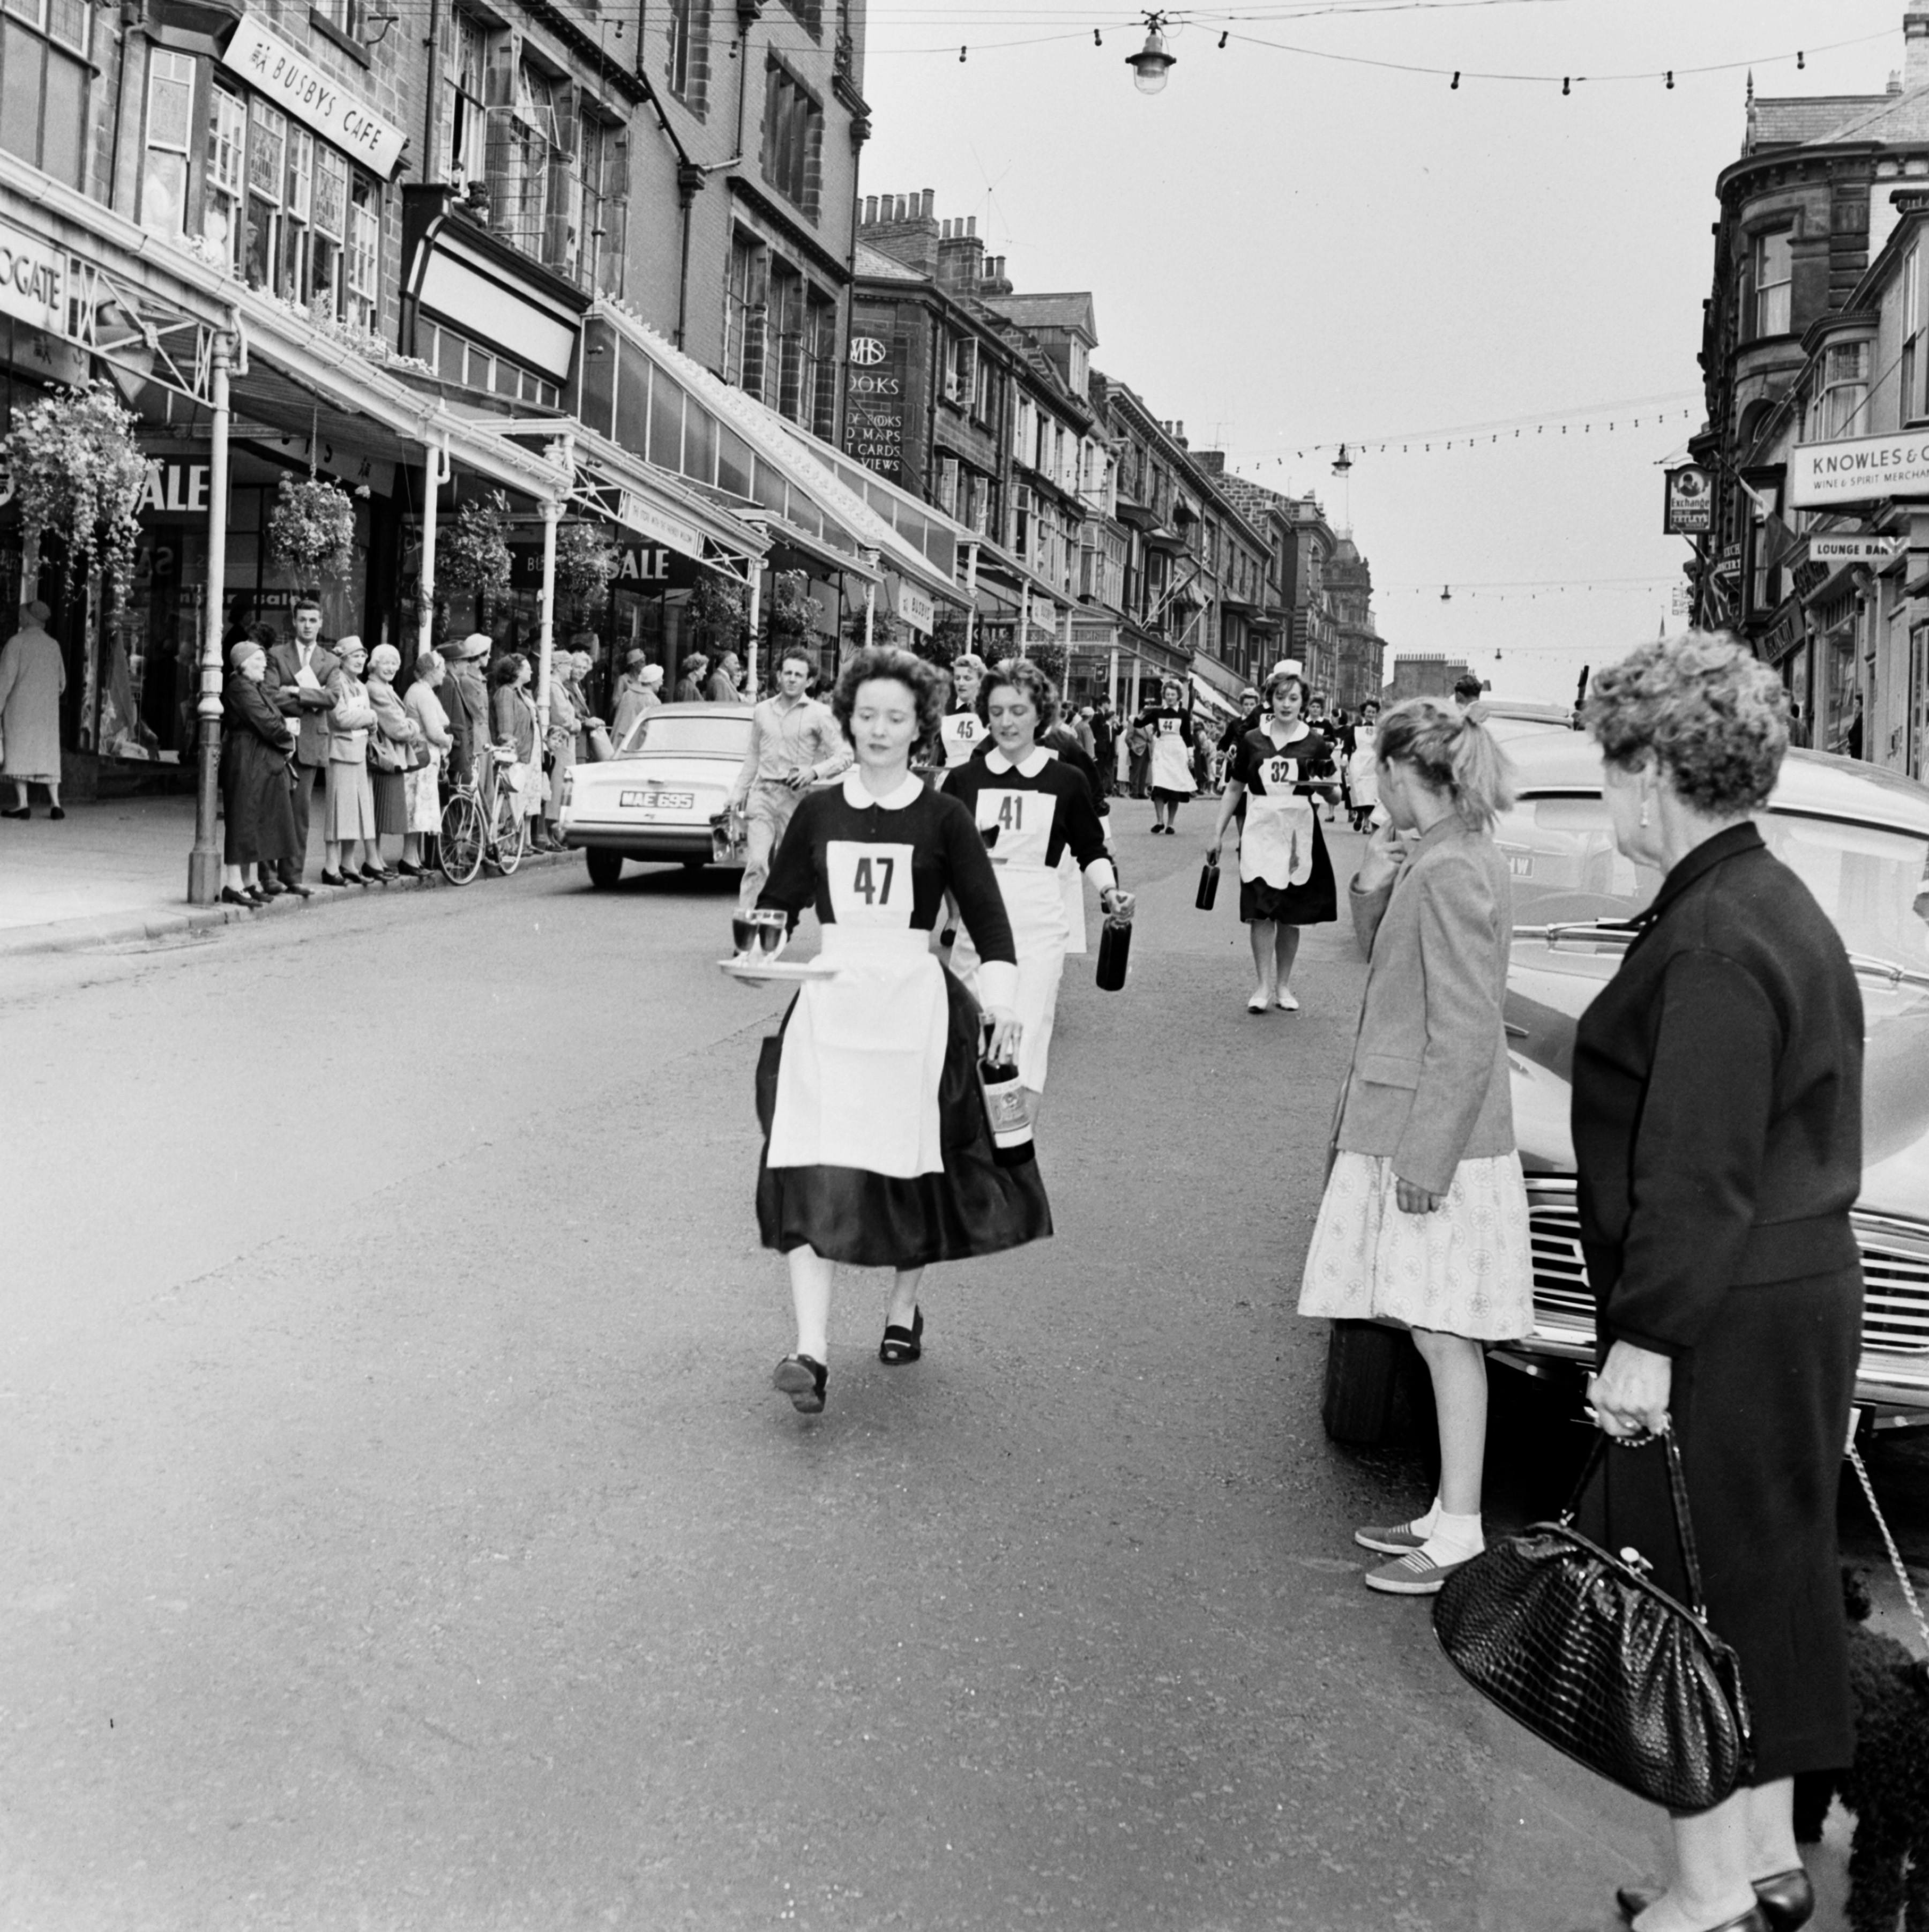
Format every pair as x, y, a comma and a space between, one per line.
32, 280
1859, 469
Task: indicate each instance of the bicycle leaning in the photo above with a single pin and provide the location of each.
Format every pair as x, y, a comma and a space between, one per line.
483, 819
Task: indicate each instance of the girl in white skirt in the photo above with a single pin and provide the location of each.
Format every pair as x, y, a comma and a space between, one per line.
1423, 1225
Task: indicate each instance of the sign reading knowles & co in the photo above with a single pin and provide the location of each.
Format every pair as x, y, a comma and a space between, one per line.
1858, 469
292, 82
875, 382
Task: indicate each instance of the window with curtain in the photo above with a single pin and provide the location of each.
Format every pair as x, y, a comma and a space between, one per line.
1845, 369
364, 249
327, 246
298, 204
465, 66
170, 113
1773, 271
222, 184
267, 144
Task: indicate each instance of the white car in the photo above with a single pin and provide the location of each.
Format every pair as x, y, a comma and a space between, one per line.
655, 799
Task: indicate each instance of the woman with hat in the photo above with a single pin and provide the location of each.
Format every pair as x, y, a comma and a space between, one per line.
392, 751
257, 789
348, 819
638, 690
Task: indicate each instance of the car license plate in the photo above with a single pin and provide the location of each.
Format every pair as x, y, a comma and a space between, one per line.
656, 801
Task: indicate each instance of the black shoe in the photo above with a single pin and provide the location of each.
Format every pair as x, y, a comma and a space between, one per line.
59, 812
270, 889
376, 875
17, 812
802, 1378
902, 1344
332, 879
254, 895
407, 868
297, 889
231, 897
1781, 1903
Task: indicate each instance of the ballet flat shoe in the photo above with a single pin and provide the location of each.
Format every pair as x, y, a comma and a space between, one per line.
1634, 1900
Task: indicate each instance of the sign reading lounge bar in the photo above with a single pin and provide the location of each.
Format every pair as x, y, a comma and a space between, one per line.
294, 83
1859, 469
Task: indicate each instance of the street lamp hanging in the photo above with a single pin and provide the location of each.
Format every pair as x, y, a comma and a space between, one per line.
1152, 63
1342, 463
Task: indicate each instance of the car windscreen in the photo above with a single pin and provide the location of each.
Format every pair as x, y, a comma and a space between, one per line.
1561, 854
715, 733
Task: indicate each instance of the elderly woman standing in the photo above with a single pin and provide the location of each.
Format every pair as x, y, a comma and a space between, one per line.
638, 690
1718, 1122
257, 789
1424, 1220
512, 720
348, 821
392, 743
423, 783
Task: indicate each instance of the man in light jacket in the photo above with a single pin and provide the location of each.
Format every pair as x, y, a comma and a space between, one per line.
297, 686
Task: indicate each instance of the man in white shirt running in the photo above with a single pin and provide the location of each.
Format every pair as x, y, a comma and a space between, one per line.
794, 742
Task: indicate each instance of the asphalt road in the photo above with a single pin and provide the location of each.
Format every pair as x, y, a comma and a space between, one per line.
401, 1531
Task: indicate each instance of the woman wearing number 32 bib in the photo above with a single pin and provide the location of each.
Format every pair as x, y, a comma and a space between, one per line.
1031, 808
879, 1152
1286, 879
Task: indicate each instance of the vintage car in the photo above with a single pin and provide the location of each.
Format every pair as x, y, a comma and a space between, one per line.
655, 799
1509, 718
1859, 838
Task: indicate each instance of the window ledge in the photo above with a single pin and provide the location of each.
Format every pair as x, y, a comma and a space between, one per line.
348, 43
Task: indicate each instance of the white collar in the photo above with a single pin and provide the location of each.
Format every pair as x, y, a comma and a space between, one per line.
1266, 723
857, 796
995, 761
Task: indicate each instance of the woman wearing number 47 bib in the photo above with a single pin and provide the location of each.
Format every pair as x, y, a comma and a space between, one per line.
879, 1152
1031, 808
1286, 879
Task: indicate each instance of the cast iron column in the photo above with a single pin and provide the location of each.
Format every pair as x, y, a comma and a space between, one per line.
204, 863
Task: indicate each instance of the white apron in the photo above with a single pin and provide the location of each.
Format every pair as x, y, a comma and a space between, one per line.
1034, 899
1172, 761
1276, 845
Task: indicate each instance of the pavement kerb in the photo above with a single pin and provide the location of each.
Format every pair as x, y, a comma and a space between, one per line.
130, 929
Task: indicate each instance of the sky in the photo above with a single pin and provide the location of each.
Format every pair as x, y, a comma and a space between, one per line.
1287, 250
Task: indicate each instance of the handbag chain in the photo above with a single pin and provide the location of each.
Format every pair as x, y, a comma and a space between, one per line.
1894, 1554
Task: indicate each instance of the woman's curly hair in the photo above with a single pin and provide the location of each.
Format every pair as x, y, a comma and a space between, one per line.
1715, 719
1022, 675
925, 682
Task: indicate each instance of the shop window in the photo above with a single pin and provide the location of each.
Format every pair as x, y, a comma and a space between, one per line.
267, 147
744, 315
793, 139
464, 69
223, 185
686, 62
326, 245
1773, 271
364, 249
170, 105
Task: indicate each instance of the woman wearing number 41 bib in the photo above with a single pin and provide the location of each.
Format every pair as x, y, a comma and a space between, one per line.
1031, 808
879, 1152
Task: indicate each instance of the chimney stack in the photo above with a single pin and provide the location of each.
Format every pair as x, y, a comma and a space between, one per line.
902, 226
960, 258
1915, 47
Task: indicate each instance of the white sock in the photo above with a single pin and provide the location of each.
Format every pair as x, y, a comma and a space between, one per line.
1452, 1539
1423, 1525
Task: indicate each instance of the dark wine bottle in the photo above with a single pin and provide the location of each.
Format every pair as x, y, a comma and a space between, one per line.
1005, 1108
1208, 885
1114, 953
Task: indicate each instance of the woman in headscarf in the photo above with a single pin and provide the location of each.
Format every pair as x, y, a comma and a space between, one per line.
257, 791
348, 821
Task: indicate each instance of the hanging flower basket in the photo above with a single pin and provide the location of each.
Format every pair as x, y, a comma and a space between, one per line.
474, 556
76, 471
586, 566
311, 530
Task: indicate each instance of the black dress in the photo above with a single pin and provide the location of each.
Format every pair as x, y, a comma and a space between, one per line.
257, 789
839, 849
1268, 770
1717, 1122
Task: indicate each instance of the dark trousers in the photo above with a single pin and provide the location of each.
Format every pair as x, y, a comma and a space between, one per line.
305, 776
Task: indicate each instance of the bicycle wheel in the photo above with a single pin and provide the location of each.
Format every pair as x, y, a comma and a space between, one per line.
511, 831
459, 851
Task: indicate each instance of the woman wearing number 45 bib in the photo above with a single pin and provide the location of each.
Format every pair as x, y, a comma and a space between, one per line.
1286, 879
879, 1152
1031, 808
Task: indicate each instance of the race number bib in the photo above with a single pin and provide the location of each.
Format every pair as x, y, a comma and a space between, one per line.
870, 885
1022, 821
961, 734
1168, 728
1281, 774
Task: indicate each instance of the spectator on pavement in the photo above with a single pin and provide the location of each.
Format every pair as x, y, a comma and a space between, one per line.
690, 686
722, 688
1105, 746
1139, 758
424, 699
1424, 1222
32, 677
466, 698
392, 745
257, 786
513, 722
592, 733
348, 807
638, 690
558, 746
297, 685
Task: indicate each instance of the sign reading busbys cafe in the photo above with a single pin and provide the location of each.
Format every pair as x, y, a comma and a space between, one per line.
288, 78
1689, 506
875, 382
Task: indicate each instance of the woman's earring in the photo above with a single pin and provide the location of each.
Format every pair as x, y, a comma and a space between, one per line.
1644, 814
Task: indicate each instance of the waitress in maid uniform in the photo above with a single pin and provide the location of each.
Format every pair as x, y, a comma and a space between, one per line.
1031, 807
1170, 729
961, 730
879, 1152
1286, 879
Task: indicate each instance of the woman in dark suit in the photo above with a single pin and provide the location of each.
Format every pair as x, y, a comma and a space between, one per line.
257, 789
1717, 1120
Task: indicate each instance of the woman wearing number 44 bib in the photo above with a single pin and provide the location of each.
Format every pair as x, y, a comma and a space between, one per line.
1031, 808
1286, 879
878, 1151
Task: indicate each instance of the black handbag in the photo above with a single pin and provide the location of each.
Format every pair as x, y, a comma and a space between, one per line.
1585, 1651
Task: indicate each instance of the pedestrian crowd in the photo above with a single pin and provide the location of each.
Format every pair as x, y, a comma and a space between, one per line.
1716, 1118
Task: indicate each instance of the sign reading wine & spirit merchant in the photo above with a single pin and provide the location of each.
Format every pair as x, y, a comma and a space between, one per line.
1858, 469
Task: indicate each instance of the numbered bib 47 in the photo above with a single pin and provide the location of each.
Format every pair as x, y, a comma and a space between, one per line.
870, 885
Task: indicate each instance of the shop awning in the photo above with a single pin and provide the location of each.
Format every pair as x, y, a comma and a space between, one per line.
1215, 701
633, 388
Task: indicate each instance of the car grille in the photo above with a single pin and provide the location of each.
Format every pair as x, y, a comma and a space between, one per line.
1895, 1273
